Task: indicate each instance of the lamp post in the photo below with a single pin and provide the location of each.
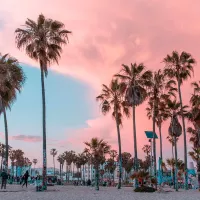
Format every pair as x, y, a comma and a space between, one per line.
150, 135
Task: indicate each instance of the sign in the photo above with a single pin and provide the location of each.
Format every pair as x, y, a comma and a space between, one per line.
151, 134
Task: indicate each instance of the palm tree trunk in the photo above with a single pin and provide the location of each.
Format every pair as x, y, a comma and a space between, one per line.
96, 178
60, 171
120, 151
2, 161
154, 144
176, 169
160, 133
54, 165
184, 135
44, 174
172, 151
135, 145
66, 172
198, 171
6, 136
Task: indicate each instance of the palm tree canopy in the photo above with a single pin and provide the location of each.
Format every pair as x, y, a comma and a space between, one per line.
12, 79
172, 140
125, 158
136, 79
160, 92
113, 154
42, 40
194, 136
69, 157
147, 149
195, 154
171, 163
111, 98
179, 66
53, 152
175, 128
61, 159
97, 148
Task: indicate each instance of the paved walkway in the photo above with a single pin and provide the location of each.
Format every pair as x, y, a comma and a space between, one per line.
15, 192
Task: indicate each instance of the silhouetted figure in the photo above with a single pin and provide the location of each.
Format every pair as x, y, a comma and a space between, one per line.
25, 177
88, 182
4, 176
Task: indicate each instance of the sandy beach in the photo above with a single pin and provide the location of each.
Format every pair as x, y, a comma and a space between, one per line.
16, 192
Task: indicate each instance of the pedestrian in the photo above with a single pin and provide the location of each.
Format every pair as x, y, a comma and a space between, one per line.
25, 178
4, 176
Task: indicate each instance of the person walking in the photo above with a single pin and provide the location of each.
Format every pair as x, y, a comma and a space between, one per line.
25, 177
4, 177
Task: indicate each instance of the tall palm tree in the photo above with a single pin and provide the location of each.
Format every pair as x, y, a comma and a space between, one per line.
195, 155
12, 80
193, 116
179, 67
42, 41
53, 152
98, 149
136, 79
111, 99
159, 91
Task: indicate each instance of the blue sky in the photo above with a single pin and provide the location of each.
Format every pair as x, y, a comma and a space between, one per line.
67, 108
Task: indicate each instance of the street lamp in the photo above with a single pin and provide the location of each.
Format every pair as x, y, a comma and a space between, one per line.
151, 135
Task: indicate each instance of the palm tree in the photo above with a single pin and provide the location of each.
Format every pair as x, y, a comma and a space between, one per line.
113, 154
42, 41
195, 155
125, 159
12, 80
179, 67
2, 154
111, 99
61, 161
13, 159
97, 148
19, 159
69, 158
53, 152
159, 91
147, 149
194, 117
110, 167
175, 130
172, 142
136, 79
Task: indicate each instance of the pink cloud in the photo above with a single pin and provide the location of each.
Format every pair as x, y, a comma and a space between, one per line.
106, 34
27, 138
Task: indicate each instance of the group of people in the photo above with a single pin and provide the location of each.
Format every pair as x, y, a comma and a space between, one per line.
88, 182
5, 176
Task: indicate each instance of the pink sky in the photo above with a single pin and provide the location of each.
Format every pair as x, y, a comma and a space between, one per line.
106, 34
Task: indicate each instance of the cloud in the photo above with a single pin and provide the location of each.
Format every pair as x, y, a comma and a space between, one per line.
106, 34
27, 138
